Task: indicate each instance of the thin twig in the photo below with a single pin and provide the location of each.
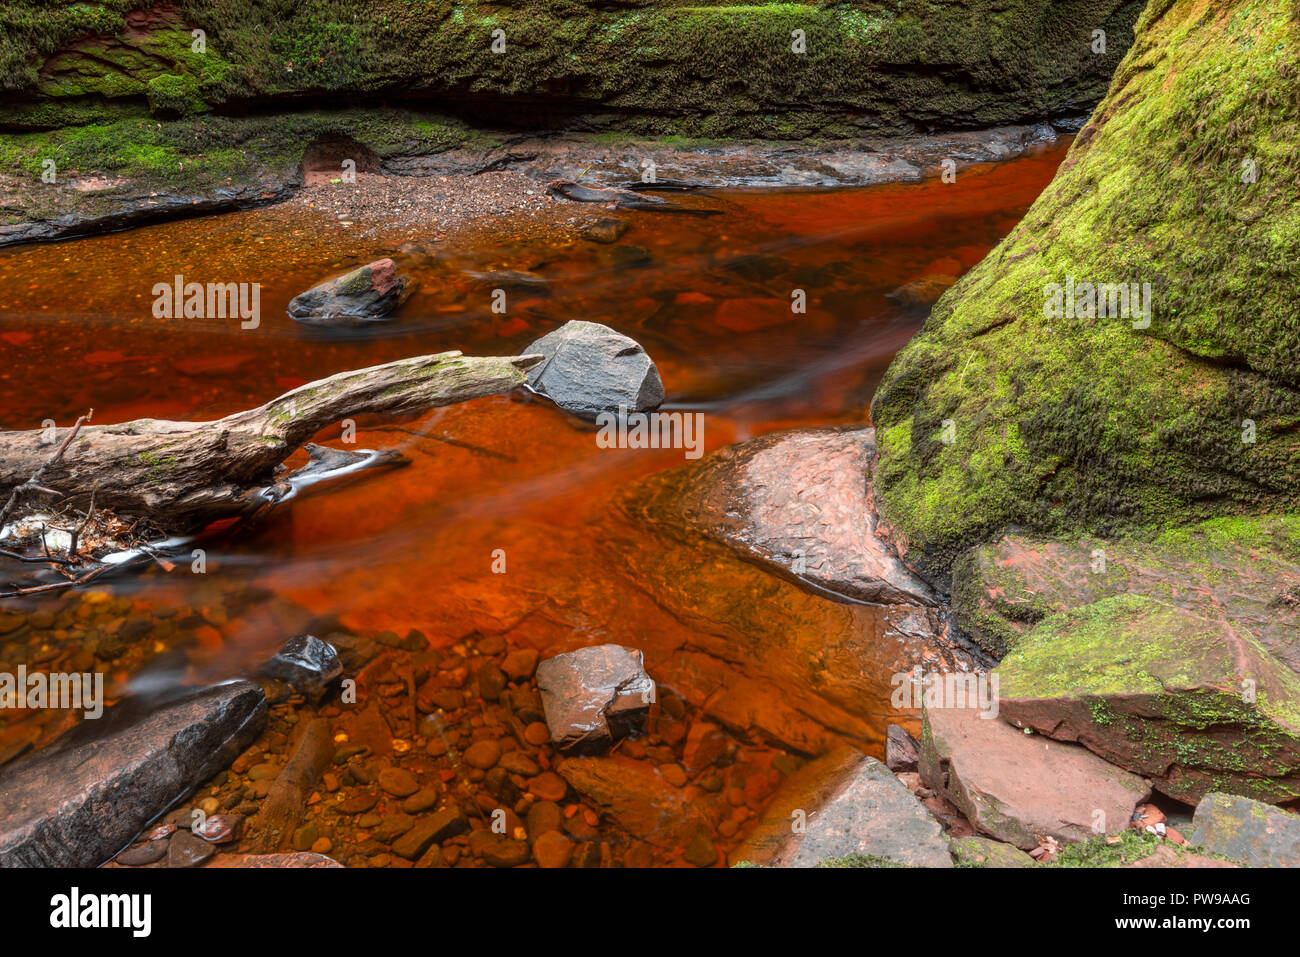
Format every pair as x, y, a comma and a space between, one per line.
33, 482
76, 532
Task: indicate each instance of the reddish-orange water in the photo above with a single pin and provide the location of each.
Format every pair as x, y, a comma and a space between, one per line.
414, 547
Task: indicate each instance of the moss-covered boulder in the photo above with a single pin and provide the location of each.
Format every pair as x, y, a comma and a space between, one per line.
1245, 569
698, 68
1013, 407
1193, 704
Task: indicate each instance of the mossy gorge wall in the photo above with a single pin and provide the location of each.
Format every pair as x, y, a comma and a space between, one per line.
710, 69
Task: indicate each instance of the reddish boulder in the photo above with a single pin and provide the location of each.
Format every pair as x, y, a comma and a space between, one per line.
1020, 788
594, 696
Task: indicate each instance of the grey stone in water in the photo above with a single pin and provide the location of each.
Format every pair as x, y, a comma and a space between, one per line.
367, 294
1249, 831
307, 663
594, 696
590, 369
81, 800
844, 803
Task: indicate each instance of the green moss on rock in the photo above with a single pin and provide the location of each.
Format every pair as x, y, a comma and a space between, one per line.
1192, 703
1090, 424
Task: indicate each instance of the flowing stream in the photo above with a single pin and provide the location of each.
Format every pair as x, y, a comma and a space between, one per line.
418, 547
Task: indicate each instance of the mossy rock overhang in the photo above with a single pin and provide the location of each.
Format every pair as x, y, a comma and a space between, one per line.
777, 70
1003, 413
1195, 705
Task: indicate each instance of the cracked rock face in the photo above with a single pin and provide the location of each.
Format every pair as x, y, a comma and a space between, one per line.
590, 369
594, 696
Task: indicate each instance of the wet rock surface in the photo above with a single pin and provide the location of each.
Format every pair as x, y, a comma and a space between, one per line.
1196, 705
306, 663
594, 696
590, 369
844, 803
116, 774
1251, 832
1021, 788
366, 294
799, 503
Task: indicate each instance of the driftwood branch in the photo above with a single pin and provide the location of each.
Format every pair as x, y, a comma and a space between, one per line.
180, 475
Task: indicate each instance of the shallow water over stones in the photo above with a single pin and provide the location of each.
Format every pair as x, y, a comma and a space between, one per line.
504, 539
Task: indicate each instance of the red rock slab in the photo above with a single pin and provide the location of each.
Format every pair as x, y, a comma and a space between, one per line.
1019, 787
796, 502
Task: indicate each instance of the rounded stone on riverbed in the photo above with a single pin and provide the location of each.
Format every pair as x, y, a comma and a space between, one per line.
398, 782
143, 854
483, 755
552, 849
607, 229
591, 368
186, 850
421, 800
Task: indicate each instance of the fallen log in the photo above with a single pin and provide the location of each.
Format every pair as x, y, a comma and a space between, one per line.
181, 475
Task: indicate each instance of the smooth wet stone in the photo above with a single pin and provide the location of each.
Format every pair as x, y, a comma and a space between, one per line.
505, 852
1254, 833
307, 663
1019, 787
1197, 706
434, 829
398, 782
607, 229
594, 696
367, 294
552, 849
590, 369
219, 828
143, 854
799, 503
80, 800
844, 803
482, 754
186, 850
